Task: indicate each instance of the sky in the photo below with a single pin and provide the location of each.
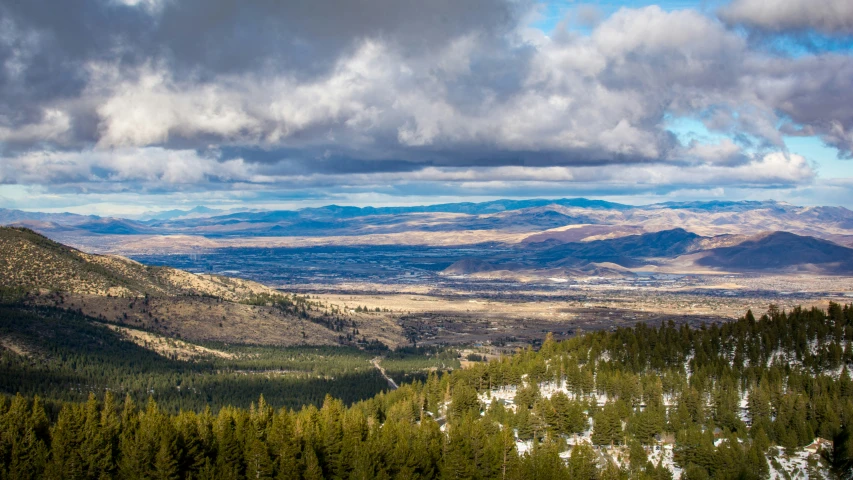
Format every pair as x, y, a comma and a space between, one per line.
119, 107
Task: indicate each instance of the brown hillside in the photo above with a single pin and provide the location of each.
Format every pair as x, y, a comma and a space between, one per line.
173, 302
30, 261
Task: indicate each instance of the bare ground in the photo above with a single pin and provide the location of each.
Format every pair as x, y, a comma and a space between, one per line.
13, 346
167, 347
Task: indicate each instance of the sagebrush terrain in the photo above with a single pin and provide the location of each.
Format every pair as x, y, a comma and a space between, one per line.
174, 302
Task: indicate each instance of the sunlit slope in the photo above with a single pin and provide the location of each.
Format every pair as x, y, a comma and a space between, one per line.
30, 261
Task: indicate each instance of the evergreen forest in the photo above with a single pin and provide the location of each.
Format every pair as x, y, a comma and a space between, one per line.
736, 400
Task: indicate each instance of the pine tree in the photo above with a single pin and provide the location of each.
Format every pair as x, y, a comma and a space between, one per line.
135, 452
166, 465
313, 471
524, 424
67, 437
755, 462
258, 462
464, 401
637, 458
331, 432
28, 457
97, 448
284, 446
507, 455
229, 453
363, 466
582, 463
607, 427
188, 427
542, 462
612, 472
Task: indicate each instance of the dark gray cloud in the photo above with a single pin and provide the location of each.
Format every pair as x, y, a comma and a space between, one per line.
226, 36
834, 17
233, 35
813, 92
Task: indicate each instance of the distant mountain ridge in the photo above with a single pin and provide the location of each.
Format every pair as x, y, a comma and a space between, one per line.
531, 222
9, 216
779, 252
176, 213
480, 208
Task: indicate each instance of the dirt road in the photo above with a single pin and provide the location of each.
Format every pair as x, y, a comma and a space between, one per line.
379, 367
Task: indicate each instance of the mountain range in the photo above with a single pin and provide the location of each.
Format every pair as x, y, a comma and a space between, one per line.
508, 215
673, 251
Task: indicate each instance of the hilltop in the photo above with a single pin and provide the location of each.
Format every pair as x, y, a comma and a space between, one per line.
174, 302
31, 261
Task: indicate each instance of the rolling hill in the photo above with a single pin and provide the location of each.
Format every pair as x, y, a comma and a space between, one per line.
677, 251
782, 251
30, 261
467, 266
622, 251
173, 302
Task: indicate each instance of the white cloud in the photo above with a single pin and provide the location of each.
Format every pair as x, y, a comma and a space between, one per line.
149, 108
102, 169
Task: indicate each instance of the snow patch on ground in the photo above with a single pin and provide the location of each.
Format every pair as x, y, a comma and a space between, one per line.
664, 453
796, 466
781, 465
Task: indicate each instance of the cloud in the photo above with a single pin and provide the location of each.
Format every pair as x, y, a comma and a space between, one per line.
588, 15
810, 93
121, 168
595, 100
53, 126
169, 96
724, 153
46, 48
158, 170
834, 17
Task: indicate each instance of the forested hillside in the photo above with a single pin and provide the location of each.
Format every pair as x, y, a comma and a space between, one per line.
738, 400
62, 356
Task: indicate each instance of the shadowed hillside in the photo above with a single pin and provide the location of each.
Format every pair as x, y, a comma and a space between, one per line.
782, 251
468, 266
625, 251
675, 250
